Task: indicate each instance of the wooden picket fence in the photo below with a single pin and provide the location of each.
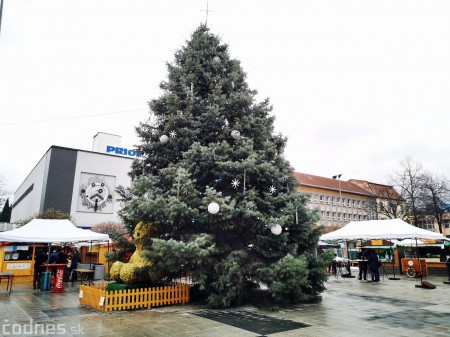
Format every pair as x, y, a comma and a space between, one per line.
98, 297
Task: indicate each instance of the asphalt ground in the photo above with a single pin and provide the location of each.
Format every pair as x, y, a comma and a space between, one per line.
349, 307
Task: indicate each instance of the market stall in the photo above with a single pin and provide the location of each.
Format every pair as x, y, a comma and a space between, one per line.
19, 246
391, 229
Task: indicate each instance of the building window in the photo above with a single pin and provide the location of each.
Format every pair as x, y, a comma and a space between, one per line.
328, 215
348, 202
323, 215
321, 198
354, 203
355, 217
345, 217
343, 201
339, 216
334, 215
328, 200
359, 203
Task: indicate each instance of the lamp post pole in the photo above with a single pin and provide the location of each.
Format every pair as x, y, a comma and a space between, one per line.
338, 177
1, 13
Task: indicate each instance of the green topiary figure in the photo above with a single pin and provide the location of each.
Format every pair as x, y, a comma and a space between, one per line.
138, 269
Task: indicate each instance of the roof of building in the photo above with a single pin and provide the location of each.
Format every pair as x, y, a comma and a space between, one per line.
330, 184
379, 190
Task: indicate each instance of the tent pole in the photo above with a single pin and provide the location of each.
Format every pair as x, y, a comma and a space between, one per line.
48, 254
393, 262
90, 257
418, 261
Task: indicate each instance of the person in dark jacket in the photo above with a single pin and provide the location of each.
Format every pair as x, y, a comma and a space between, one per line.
74, 265
39, 260
53, 257
372, 260
62, 258
362, 265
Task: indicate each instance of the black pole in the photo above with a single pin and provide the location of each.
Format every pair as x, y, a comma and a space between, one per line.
1, 12
418, 260
393, 261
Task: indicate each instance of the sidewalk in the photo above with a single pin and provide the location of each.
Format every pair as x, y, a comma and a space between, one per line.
349, 308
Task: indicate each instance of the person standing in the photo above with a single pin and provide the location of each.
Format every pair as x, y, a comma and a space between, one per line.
39, 260
372, 259
62, 258
74, 265
53, 257
362, 265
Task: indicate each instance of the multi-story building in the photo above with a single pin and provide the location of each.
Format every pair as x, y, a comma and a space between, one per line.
388, 203
339, 202
430, 223
81, 183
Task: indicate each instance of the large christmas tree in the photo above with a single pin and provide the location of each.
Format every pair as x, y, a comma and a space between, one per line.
214, 183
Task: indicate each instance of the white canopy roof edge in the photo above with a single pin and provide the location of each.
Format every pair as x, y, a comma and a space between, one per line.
51, 230
380, 229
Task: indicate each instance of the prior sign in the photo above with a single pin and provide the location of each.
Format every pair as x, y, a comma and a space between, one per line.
122, 151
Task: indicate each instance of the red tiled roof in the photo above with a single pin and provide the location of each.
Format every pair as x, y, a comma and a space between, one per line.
329, 183
380, 190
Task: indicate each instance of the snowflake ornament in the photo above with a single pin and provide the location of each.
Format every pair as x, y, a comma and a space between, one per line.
235, 183
173, 134
272, 189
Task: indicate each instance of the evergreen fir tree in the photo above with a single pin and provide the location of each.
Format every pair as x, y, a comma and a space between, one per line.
5, 215
208, 141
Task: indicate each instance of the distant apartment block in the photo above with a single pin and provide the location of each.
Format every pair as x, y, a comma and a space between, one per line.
339, 202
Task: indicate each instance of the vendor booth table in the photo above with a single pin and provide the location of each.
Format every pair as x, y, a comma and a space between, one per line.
9, 277
86, 275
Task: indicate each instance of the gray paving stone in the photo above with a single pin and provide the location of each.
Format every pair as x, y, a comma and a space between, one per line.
349, 308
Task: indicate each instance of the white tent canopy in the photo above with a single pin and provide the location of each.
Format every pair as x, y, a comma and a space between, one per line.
51, 230
380, 229
409, 242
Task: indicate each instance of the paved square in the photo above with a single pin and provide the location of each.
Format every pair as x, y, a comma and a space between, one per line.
251, 321
349, 308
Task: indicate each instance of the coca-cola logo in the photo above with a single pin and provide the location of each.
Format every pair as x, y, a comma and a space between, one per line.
59, 278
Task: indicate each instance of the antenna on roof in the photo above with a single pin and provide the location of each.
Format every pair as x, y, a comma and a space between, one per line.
207, 12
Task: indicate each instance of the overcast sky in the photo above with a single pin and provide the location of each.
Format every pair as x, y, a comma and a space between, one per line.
356, 85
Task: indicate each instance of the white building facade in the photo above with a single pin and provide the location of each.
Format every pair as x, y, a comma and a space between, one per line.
81, 183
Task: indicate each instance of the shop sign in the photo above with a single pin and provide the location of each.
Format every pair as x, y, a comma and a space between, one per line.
122, 151
12, 266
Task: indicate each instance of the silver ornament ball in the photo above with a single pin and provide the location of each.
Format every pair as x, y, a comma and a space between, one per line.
213, 208
235, 134
276, 230
164, 139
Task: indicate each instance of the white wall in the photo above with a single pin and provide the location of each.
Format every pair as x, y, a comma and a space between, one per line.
30, 205
99, 164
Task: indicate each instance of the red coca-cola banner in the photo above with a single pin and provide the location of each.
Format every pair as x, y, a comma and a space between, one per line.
59, 284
